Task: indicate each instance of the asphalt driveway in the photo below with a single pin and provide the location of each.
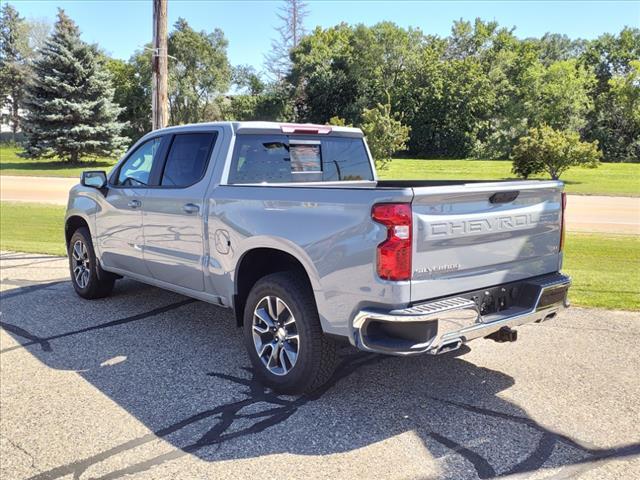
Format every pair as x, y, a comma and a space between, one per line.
155, 385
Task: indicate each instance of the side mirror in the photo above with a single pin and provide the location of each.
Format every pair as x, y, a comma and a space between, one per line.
94, 179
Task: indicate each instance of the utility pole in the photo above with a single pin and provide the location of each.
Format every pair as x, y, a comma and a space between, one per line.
160, 99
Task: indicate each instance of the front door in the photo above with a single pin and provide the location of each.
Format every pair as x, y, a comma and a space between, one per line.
174, 244
119, 218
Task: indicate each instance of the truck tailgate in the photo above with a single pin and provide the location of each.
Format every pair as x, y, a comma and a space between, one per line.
473, 236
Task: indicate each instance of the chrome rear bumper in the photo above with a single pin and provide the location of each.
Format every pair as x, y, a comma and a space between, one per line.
446, 324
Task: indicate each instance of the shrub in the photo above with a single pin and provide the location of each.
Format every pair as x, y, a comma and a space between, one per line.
552, 151
385, 135
338, 121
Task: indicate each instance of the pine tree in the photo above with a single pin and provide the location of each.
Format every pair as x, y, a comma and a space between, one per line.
14, 71
70, 108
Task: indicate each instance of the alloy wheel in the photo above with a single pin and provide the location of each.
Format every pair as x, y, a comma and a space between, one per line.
81, 271
275, 335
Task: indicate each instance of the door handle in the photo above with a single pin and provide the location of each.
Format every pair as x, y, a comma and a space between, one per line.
191, 208
134, 203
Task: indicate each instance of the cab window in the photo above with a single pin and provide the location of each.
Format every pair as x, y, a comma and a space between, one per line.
187, 159
135, 171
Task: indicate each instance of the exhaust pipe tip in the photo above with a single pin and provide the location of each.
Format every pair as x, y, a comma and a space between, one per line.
449, 347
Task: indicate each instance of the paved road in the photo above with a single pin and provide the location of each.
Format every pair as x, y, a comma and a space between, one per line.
596, 213
584, 213
50, 190
155, 385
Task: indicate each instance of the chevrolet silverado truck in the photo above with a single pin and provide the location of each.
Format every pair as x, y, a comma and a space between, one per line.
289, 227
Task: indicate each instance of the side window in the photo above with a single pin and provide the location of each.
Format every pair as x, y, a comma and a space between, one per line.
136, 169
187, 159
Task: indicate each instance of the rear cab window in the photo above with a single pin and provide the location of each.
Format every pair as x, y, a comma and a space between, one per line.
187, 159
279, 158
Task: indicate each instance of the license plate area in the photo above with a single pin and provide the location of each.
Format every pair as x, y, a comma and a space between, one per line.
515, 296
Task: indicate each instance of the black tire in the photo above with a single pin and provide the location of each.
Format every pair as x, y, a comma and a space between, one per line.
317, 356
99, 283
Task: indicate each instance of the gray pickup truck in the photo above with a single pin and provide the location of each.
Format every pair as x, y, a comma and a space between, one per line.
288, 226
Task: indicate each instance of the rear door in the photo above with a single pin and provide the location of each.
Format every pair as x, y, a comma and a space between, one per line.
174, 246
477, 235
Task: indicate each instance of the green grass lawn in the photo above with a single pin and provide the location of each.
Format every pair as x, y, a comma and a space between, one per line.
607, 179
33, 228
12, 164
604, 267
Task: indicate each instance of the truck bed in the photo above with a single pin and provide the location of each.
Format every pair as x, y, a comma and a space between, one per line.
429, 183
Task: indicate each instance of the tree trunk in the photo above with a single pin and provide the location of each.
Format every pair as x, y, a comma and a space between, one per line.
15, 117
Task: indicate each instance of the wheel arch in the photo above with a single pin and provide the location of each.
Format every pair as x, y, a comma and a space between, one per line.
258, 262
73, 223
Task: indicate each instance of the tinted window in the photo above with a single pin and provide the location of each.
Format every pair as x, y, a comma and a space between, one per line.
345, 159
280, 158
136, 169
187, 159
260, 158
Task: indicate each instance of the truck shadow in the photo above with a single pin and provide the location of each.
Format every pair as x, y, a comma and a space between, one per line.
178, 366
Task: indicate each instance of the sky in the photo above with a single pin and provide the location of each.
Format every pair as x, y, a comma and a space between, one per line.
121, 27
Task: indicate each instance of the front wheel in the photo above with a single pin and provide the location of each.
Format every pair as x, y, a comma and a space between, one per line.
88, 279
283, 336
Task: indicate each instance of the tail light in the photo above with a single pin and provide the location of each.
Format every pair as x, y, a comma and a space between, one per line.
394, 254
563, 226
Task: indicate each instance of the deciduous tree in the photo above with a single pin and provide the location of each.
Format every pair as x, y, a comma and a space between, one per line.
289, 34
132, 91
613, 58
616, 125
199, 73
558, 95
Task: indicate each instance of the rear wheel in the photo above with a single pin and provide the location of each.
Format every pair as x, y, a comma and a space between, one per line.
88, 279
283, 336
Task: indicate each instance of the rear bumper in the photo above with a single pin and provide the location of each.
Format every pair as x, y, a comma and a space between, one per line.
443, 325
